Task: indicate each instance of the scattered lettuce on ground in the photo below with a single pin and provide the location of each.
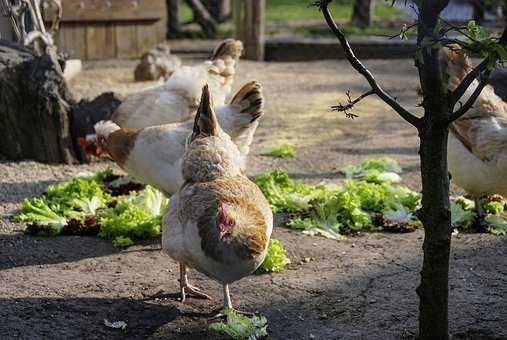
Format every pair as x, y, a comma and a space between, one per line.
284, 194
461, 216
464, 216
240, 327
137, 216
76, 199
276, 258
84, 205
374, 202
373, 168
284, 150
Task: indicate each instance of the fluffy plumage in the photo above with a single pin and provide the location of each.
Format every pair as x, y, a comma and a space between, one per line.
177, 99
477, 147
154, 154
218, 223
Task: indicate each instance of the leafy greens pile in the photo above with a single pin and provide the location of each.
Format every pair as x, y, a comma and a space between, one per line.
240, 327
276, 258
464, 217
113, 207
370, 199
93, 204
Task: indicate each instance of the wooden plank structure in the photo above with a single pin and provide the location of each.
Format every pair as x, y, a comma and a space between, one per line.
249, 19
100, 29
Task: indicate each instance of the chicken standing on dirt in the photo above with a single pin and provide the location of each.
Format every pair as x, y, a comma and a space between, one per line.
177, 99
477, 146
154, 154
219, 222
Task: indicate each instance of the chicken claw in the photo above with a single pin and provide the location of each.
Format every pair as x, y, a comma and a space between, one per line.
187, 288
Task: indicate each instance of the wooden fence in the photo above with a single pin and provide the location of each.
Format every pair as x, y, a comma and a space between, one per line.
249, 19
96, 29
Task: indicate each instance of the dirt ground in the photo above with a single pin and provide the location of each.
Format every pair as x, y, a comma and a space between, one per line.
361, 288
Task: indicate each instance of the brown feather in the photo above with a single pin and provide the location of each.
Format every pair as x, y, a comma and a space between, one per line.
244, 204
120, 143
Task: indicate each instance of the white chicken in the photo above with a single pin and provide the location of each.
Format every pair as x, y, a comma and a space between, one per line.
477, 146
177, 99
219, 222
154, 154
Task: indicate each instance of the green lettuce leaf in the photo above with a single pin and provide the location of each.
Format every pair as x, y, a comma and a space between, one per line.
284, 150
380, 165
240, 327
36, 210
461, 218
276, 258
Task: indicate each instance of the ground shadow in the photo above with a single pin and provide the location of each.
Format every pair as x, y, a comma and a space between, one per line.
378, 151
80, 318
16, 192
18, 250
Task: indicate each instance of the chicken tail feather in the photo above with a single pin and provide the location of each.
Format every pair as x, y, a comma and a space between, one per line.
251, 100
241, 118
228, 48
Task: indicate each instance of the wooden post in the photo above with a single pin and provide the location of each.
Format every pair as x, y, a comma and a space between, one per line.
249, 21
174, 17
219, 9
203, 17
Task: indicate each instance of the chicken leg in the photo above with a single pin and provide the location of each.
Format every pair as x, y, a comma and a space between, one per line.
185, 287
478, 208
228, 304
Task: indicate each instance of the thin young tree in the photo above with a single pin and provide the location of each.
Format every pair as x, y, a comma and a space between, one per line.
439, 111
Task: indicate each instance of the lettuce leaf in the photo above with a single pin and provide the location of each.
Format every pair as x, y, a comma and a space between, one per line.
380, 165
276, 258
284, 150
284, 194
498, 225
137, 216
461, 218
240, 327
36, 210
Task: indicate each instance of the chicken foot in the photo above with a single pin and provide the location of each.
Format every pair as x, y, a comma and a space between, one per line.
185, 287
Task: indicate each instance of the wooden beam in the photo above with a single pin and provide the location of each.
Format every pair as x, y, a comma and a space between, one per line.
113, 10
253, 34
173, 12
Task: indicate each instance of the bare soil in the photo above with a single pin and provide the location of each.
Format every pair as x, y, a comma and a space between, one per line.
361, 288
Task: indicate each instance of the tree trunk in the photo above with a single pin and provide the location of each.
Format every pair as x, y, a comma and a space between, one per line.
436, 218
362, 12
173, 16
203, 17
35, 104
435, 212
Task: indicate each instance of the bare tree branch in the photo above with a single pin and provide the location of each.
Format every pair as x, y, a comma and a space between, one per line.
350, 104
466, 82
479, 71
470, 102
359, 67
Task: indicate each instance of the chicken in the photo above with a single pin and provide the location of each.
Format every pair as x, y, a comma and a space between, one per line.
154, 154
219, 222
177, 99
157, 63
477, 146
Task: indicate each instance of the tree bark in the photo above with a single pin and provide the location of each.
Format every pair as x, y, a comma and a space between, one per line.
35, 104
173, 16
362, 13
435, 213
436, 218
203, 17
